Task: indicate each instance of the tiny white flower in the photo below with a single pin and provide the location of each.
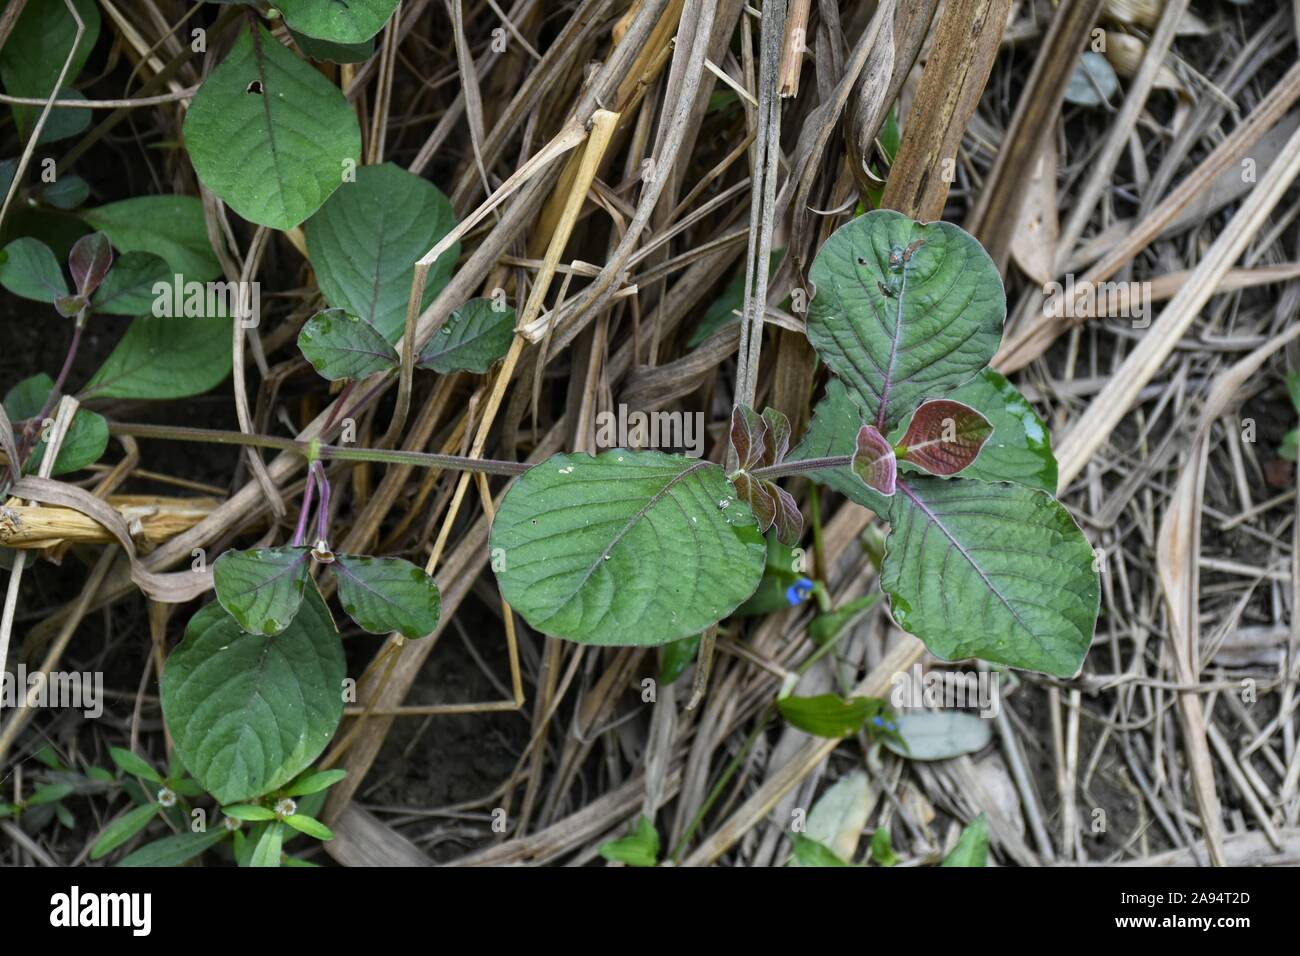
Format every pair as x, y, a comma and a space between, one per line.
167, 797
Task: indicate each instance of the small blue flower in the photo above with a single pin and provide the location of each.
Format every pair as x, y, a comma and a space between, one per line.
798, 592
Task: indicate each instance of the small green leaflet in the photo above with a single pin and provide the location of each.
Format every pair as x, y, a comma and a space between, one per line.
29, 269
340, 345
351, 22
262, 590
32, 59
170, 227
809, 852
991, 570
903, 311
165, 358
134, 764
473, 339
269, 134
829, 715
387, 594
639, 848
627, 548
972, 847
249, 712
676, 657
310, 826
267, 851
123, 828
86, 438
365, 241
174, 850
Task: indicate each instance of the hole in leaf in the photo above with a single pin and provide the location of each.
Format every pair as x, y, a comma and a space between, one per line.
255, 87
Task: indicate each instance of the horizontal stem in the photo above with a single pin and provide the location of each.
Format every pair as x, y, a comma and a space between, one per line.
419, 459
799, 467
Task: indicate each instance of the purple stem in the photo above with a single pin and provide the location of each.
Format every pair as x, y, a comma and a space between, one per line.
300, 532
322, 512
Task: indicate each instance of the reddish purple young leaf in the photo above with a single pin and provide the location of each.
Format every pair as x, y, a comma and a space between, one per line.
777, 438
756, 493
944, 437
789, 519
90, 259
874, 462
747, 436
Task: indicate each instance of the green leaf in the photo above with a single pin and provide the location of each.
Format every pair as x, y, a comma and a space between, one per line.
263, 589
350, 22
334, 52
309, 826
314, 782
939, 735
882, 848
829, 715
123, 828
638, 848
28, 268
85, 441
134, 764
249, 712
267, 851
171, 227
972, 847
808, 852
248, 811
474, 338
724, 308
627, 548
991, 570
365, 241
903, 311
676, 657
1293, 389
340, 345
832, 434
129, 288
269, 134
387, 594
173, 850
165, 358
50, 793
1020, 448
829, 626
33, 56
68, 191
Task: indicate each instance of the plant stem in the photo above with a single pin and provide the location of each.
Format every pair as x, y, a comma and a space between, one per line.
323, 511
799, 467
300, 532
419, 459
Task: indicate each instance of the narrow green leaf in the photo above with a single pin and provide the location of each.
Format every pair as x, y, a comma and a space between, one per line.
248, 811
314, 782
249, 712
129, 288
340, 345
829, 715
123, 828
972, 847
263, 589
309, 826
903, 311
387, 594
882, 848
808, 852
365, 241
627, 548
170, 227
267, 851
49, 793
28, 268
269, 134
474, 338
350, 22
991, 570
32, 58
165, 358
173, 850
827, 627
638, 848
134, 764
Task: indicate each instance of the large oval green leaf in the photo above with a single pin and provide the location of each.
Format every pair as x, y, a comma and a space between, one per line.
903, 311
350, 22
992, 570
263, 589
625, 548
165, 358
365, 241
171, 227
248, 712
387, 594
472, 339
269, 134
33, 57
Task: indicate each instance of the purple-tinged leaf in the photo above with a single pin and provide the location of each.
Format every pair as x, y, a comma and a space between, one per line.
789, 519
747, 436
944, 437
90, 259
874, 462
777, 439
69, 306
757, 496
